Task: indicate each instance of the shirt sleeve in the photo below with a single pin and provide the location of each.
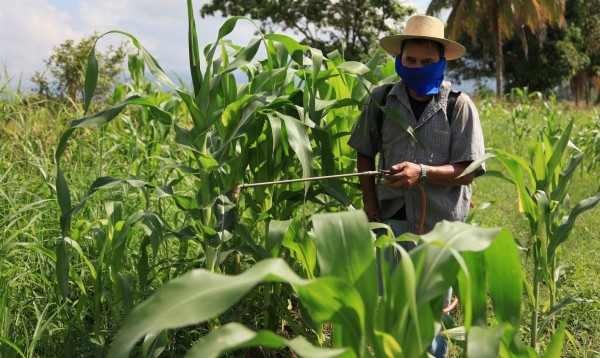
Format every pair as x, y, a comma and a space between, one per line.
467, 135
365, 136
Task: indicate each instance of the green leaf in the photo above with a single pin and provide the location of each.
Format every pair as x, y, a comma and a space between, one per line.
150, 60
244, 56
99, 183
62, 270
354, 67
109, 114
345, 250
235, 336
229, 25
476, 264
294, 48
389, 347
242, 113
555, 347
297, 136
193, 51
317, 63
393, 115
277, 230
564, 178
296, 239
407, 318
503, 268
343, 244
199, 296
515, 169
562, 232
207, 162
91, 78
155, 344
461, 236
476, 164
331, 299
484, 343
541, 171
12, 345
557, 308
559, 148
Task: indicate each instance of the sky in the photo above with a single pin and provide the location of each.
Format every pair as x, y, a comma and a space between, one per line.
29, 29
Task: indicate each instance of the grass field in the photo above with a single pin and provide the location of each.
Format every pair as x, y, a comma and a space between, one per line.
34, 322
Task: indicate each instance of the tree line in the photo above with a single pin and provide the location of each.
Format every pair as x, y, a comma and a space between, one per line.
522, 43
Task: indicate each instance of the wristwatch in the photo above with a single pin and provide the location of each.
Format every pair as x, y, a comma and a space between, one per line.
423, 173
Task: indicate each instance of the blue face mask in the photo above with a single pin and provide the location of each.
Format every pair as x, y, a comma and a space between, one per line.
424, 80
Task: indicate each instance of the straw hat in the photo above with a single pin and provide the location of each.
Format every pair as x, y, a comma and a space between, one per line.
423, 27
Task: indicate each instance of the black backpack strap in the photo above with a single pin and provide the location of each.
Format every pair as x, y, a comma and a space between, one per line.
380, 119
452, 97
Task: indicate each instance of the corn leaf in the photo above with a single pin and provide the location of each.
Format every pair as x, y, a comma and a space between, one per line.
503, 269
555, 347
237, 336
484, 343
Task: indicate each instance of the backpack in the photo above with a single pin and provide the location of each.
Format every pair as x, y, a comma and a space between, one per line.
452, 97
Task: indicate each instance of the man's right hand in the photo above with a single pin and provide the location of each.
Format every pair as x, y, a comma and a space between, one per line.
367, 184
372, 211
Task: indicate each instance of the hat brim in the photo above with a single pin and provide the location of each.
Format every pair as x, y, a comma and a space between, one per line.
392, 44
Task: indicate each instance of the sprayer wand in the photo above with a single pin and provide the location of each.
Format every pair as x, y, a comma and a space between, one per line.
373, 173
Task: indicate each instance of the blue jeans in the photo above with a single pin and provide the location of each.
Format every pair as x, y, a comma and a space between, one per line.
439, 346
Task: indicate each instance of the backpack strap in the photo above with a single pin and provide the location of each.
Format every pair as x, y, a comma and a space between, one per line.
452, 97
380, 118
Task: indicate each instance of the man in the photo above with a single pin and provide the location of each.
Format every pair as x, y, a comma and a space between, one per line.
448, 146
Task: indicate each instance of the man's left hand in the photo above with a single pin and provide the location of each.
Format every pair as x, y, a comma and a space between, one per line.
408, 174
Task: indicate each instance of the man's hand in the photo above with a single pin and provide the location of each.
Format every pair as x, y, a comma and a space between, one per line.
372, 210
406, 175
367, 184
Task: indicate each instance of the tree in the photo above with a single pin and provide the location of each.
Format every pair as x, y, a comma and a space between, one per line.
67, 65
569, 53
353, 26
548, 64
584, 18
500, 20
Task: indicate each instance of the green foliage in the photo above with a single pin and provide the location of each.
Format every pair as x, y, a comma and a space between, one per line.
543, 183
400, 323
66, 68
146, 206
353, 27
561, 54
488, 23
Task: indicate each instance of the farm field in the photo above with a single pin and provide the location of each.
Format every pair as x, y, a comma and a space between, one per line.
100, 209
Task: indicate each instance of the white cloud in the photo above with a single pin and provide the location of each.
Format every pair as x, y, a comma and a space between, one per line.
28, 31
30, 28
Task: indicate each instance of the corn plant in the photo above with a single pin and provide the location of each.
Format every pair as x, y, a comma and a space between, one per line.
542, 184
523, 110
588, 139
401, 323
296, 107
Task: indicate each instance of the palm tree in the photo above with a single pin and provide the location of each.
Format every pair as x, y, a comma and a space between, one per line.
501, 19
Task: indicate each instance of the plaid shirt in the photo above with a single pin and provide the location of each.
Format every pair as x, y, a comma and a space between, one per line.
442, 144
